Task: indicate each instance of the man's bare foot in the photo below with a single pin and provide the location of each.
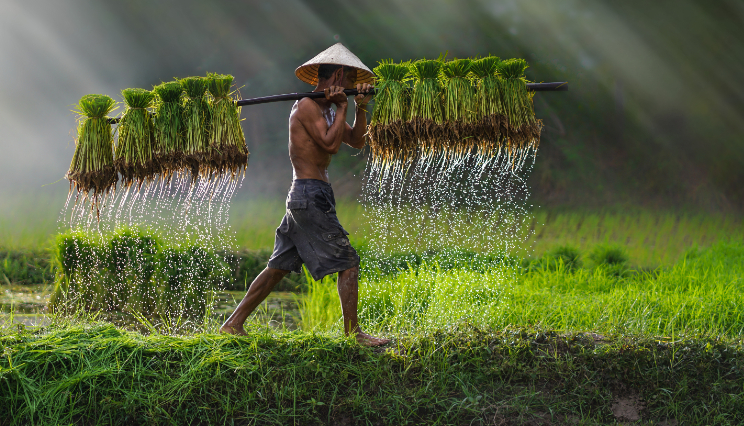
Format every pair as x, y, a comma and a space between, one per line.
365, 339
236, 330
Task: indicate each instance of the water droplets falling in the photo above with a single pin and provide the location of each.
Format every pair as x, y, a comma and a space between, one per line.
453, 210
159, 248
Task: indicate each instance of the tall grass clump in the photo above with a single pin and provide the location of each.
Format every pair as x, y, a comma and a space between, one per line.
490, 112
229, 150
196, 122
168, 128
459, 105
388, 133
609, 255
133, 271
523, 128
134, 150
426, 117
92, 167
320, 309
564, 256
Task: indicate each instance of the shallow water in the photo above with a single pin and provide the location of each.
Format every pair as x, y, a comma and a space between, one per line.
26, 304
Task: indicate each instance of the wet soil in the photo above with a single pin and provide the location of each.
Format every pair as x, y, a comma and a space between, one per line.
26, 304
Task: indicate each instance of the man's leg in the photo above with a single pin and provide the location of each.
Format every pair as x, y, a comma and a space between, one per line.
348, 292
257, 292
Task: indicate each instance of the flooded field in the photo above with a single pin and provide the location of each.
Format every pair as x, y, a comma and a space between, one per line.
27, 305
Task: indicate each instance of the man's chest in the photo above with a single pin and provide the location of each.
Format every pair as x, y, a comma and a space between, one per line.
329, 114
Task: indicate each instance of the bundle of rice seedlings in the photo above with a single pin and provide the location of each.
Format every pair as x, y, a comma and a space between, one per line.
489, 110
459, 105
92, 166
426, 107
168, 141
134, 151
229, 151
195, 123
388, 133
523, 128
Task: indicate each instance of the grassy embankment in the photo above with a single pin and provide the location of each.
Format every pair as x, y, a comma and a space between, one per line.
559, 339
100, 375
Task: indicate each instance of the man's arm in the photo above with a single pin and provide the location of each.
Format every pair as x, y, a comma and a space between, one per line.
354, 137
311, 117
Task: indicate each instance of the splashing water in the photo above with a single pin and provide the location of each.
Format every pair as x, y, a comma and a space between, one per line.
159, 249
451, 210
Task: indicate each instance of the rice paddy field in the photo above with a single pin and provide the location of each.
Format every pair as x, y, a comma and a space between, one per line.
600, 317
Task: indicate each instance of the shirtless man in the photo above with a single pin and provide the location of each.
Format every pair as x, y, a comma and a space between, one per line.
310, 232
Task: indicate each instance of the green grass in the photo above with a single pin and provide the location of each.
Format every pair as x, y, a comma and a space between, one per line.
701, 294
465, 375
651, 237
25, 267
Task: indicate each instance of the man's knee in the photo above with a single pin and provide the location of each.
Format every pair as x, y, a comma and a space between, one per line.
352, 272
275, 274
268, 278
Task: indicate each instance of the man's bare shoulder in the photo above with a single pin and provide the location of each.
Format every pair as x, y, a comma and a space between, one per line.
307, 106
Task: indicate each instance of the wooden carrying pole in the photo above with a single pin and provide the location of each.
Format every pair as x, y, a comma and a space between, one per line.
560, 86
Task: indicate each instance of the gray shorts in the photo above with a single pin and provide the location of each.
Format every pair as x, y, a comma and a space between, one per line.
310, 233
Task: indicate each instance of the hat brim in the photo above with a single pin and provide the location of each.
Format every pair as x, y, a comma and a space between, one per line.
309, 74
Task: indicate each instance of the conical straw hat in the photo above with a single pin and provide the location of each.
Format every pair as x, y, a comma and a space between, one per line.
337, 54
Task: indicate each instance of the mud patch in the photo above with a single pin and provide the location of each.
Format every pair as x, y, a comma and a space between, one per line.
628, 408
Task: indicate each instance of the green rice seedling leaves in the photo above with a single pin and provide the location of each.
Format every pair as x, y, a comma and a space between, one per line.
134, 151
388, 132
459, 104
523, 129
613, 259
195, 123
427, 114
609, 255
568, 255
92, 165
131, 270
168, 138
490, 112
226, 138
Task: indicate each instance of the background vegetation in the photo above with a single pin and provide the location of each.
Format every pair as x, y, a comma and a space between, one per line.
652, 117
